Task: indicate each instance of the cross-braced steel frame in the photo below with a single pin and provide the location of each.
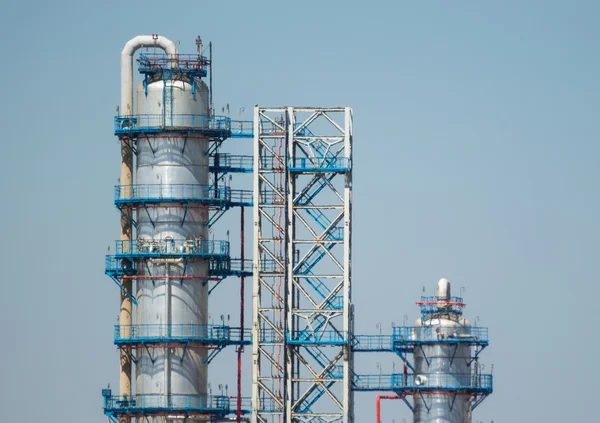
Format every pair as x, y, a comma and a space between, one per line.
302, 308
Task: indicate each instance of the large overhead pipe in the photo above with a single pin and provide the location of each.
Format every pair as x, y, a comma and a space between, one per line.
129, 50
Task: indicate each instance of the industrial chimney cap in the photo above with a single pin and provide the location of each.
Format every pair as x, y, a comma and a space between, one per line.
443, 289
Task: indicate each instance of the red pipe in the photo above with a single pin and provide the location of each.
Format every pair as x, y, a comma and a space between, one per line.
378, 403
241, 347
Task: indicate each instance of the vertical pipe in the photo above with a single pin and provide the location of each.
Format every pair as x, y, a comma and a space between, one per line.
210, 93
378, 404
126, 306
241, 347
289, 149
256, 266
126, 109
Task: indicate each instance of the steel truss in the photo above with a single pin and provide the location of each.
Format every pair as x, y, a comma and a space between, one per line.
302, 309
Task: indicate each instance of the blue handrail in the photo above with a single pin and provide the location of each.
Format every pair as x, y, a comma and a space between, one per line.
319, 164
242, 129
225, 162
154, 123
147, 403
171, 247
438, 333
372, 343
118, 267
317, 337
175, 192
206, 334
467, 382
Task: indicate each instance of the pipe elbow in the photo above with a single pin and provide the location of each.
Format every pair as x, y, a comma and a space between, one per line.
142, 41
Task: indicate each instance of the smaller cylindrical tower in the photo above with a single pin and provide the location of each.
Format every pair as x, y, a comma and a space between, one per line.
443, 363
446, 383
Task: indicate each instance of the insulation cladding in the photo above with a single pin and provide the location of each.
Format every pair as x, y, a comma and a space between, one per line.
168, 160
442, 364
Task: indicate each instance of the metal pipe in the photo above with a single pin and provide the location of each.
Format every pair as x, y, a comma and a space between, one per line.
210, 87
241, 348
127, 53
126, 178
378, 404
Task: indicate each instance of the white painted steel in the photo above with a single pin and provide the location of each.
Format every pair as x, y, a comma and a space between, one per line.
127, 53
162, 159
439, 364
284, 373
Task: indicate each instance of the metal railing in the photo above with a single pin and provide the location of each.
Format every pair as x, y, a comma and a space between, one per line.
180, 62
242, 129
328, 164
224, 162
171, 247
208, 334
202, 404
434, 334
241, 197
317, 337
165, 122
166, 192
118, 267
470, 383
370, 343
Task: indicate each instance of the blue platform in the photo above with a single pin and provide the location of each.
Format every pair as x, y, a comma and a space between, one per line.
210, 126
317, 337
151, 248
182, 334
192, 65
159, 404
221, 196
401, 383
182, 405
427, 335
230, 163
242, 129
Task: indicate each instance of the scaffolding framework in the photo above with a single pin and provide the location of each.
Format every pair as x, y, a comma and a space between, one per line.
302, 309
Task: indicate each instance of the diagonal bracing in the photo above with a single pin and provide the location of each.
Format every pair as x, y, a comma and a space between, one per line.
302, 358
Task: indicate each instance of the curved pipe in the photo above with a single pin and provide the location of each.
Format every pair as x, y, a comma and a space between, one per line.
129, 50
378, 404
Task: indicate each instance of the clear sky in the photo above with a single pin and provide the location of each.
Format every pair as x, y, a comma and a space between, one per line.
476, 157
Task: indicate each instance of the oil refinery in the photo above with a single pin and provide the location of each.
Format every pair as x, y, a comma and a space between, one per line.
177, 179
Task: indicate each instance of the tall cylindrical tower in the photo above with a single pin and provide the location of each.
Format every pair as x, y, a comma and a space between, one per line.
169, 162
165, 259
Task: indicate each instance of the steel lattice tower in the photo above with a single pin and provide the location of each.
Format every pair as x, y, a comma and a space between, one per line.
302, 308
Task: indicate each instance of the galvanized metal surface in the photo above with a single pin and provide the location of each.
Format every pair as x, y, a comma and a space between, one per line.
168, 159
438, 365
302, 306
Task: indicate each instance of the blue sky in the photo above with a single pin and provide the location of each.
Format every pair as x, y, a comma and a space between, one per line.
476, 159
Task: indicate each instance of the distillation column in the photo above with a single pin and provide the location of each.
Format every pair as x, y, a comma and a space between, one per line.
173, 162
443, 364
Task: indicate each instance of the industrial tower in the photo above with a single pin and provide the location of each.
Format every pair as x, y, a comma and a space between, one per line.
170, 142
441, 355
302, 310
171, 194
